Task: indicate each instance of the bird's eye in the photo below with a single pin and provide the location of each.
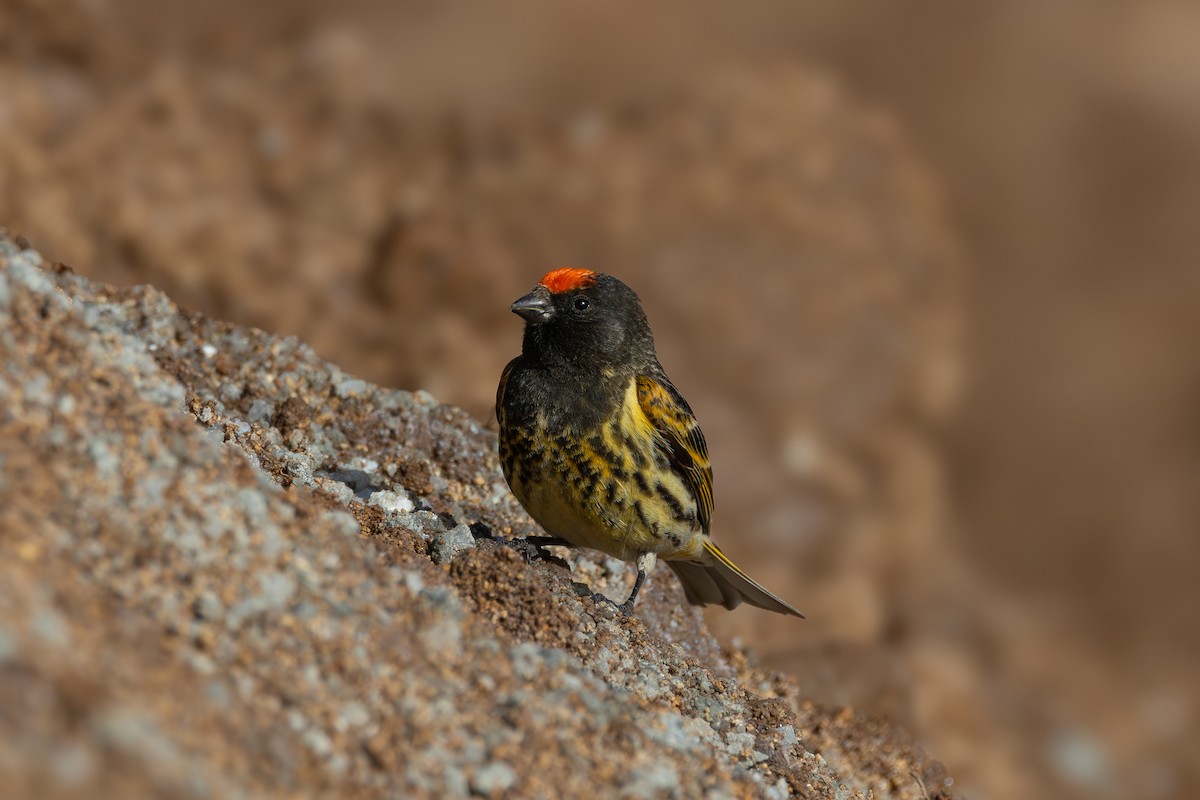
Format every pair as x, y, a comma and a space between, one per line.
582, 303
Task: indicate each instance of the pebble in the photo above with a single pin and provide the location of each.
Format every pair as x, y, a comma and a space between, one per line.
208, 606
494, 778
446, 545
394, 500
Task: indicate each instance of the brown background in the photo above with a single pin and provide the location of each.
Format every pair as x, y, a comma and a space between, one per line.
928, 273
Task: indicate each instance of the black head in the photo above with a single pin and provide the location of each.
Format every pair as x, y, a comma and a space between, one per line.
585, 319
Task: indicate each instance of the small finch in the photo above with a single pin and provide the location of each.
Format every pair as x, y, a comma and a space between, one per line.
602, 450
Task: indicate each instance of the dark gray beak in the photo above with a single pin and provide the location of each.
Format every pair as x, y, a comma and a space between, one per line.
535, 307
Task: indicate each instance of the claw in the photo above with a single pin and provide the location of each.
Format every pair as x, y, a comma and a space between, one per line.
529, 551
603, 598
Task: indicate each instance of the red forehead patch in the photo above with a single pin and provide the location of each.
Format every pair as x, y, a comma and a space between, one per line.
568, 279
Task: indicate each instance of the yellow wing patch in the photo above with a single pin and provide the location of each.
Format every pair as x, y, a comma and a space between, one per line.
673, 420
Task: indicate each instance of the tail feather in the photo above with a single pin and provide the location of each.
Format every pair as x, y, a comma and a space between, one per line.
720, 582
703, 588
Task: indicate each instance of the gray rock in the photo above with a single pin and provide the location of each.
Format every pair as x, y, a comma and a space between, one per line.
446, 545
394, 500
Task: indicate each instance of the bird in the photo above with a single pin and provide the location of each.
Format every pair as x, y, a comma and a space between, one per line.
602, 450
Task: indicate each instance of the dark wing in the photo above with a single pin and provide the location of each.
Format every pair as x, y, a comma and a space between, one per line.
669, 413
504, 376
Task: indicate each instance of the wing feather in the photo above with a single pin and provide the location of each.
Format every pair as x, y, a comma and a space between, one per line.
504, 376
673, 419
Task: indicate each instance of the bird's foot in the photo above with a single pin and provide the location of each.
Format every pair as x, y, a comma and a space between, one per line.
607, 606
604, 601
528, 551
532, 548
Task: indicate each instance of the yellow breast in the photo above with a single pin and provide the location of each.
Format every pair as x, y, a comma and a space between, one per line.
610, 489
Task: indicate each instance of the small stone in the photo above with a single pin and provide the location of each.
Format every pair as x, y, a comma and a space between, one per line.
318, 742
351, 387
778, 791
394, 500
426, 524
261, 412
202, 663
412, 581
208, 606
739, 745
446, 545
787, 736
342, 522
277, 589
355, 715
494, 778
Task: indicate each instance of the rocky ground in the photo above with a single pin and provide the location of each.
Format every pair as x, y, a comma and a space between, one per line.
230, 569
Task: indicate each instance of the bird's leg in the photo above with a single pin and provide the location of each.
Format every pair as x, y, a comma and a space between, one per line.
645, 564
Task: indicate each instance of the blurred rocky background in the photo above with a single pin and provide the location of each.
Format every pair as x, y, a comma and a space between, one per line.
927, 273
